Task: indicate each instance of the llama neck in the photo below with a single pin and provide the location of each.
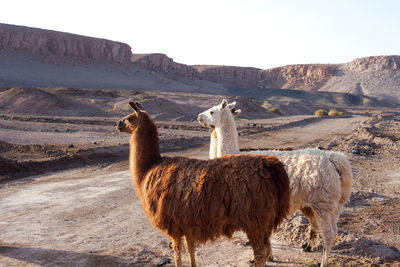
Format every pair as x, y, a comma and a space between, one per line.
213, 145
144, 150
227, 137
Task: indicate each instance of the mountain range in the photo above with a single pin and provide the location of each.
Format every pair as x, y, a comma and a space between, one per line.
37, 57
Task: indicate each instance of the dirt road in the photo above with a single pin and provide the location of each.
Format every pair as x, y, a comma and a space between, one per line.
91, 216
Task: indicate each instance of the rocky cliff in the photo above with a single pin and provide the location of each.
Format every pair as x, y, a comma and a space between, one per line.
305, 76
371, 76
239, 77
374, 63
162, 64
377, 76
71, 46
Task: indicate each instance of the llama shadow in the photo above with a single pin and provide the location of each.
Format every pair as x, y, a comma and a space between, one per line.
52, 257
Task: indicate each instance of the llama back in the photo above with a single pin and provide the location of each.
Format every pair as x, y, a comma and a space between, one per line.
209, 198
309, 169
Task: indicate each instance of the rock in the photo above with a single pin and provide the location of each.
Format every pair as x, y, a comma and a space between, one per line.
333, 143
163, 262
356, 151
143, 251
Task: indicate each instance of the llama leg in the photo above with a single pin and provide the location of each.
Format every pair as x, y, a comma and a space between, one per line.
269, 247
328, 231
260, 250
267, 242
190, 248
308, 245
177, 245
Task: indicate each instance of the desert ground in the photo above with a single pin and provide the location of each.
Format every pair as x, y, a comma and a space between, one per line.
66, 197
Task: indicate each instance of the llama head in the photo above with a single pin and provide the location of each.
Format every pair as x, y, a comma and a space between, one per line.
131, 122
212, 117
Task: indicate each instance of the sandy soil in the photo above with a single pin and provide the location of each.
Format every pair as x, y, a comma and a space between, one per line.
90, 216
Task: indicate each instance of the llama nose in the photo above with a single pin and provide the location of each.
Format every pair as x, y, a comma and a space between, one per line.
199, 118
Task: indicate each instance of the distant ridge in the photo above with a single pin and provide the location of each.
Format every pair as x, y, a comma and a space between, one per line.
377, 76
28, 57
60, 44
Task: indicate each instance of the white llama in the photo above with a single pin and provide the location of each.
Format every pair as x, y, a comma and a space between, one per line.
320, 181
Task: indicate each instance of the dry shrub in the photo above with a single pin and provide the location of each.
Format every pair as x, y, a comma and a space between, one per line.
93, 101
341, 113
321, 113
276, 111
333, 113
115, 107
366, 112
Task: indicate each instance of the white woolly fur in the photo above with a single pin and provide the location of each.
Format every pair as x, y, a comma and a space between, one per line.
319, 180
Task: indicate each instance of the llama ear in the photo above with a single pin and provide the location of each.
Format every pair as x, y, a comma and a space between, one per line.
235, 112
232, 105
223, 104
134, 106
139, 105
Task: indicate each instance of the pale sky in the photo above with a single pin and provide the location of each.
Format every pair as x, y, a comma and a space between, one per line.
251, 33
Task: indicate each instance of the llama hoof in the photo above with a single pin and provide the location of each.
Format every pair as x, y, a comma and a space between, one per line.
306, 247
271, 259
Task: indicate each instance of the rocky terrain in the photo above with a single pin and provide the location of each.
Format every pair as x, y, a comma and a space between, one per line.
66, 196
65, 193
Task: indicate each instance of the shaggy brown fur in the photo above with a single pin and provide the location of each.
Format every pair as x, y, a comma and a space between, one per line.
205, 199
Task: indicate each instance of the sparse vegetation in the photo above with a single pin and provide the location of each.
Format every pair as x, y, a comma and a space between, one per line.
276, 111
341, 113
333, 113
366, 112
93, 101
241, 118
321, 113
115, 107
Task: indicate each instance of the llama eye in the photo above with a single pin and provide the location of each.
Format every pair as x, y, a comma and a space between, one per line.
212, 112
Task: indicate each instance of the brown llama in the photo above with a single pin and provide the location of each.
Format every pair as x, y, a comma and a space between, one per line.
202, 200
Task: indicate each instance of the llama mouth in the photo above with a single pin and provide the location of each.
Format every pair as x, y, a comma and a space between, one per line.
120, 126
202, 123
